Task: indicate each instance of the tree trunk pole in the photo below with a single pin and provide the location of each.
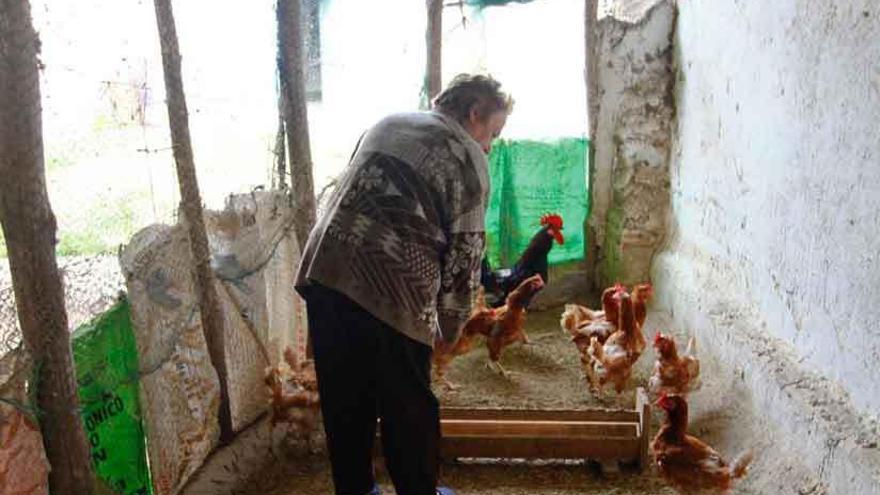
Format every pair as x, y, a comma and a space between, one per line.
591, 77
295, 113
29, 228
280, 151
178, 121
434, 42
591, 74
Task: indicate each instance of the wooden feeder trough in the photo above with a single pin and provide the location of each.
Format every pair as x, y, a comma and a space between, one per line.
594, 434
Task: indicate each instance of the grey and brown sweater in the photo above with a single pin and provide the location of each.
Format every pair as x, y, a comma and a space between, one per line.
403, 235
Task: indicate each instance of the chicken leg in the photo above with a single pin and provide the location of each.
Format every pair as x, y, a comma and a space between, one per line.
497, 368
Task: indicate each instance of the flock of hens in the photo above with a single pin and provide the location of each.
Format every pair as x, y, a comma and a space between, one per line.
609, 340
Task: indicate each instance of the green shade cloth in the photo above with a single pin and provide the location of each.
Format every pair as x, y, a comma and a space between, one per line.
530, 179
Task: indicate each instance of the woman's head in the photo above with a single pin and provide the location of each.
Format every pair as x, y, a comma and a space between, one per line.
478, 104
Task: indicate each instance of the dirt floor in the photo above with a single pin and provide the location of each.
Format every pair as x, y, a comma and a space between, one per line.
547, 375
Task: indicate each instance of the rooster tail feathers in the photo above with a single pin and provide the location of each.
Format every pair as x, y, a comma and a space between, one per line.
740, 466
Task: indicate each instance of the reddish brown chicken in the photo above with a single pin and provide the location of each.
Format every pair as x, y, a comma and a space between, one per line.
613, 361
641, 295
294, 392
674, 374
687, 463
583, 314
481, 321
510, 321
583, 323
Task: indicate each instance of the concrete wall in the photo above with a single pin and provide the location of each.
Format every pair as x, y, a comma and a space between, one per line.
629, 179
773, 240
775, 178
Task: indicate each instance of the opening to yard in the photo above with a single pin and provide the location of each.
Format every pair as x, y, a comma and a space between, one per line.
107, 148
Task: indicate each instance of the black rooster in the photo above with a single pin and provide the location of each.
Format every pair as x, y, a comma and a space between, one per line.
497, 284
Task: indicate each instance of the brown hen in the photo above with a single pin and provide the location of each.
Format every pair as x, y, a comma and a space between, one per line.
687, 463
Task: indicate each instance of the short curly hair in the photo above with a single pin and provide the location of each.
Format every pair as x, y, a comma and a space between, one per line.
467, 91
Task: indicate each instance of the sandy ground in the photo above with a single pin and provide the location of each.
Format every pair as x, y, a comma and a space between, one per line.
480, 479
544, 375
547, 375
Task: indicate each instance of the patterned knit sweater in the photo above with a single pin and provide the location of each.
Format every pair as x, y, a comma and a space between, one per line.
403, 235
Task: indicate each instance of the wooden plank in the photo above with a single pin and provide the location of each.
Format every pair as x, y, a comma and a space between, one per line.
544, 414
604, 435
643, 407
540, 448
540, 428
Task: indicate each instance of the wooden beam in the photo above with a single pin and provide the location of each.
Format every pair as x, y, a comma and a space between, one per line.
28, 225
643, 406
473, 428
591, 78
601, 448
591, 75
599, 434
542, 414
191, 204
434, 42
295, 114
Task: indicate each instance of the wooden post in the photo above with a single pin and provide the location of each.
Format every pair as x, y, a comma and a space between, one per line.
295, 114
178, 121
280, 151
643, 407
434, 42
591, 77
29, 228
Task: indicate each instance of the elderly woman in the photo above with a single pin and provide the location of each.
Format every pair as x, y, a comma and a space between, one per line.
393, 264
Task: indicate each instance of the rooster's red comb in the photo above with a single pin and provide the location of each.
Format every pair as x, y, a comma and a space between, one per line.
552, 220
664, 401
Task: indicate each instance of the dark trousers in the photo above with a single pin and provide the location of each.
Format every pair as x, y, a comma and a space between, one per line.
367, 370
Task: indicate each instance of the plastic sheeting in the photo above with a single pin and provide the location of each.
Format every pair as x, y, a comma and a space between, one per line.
106, 360
254, 257
529, 179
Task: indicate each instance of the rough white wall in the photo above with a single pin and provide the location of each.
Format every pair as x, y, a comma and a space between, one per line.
629, 178
774, 234
776, 175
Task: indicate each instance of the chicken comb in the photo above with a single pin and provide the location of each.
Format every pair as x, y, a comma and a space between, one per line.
618, 287
658, 337
662, 400
552, 220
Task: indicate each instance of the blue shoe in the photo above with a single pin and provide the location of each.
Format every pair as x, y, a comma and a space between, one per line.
375, 491
445, 491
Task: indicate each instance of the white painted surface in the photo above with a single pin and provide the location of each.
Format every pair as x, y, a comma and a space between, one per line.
775, 175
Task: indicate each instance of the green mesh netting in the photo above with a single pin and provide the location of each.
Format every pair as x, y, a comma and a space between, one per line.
106, 360
529, 179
